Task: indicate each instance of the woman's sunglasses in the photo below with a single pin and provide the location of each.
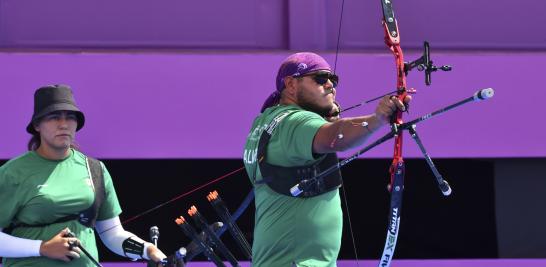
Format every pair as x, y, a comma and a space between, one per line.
323, 77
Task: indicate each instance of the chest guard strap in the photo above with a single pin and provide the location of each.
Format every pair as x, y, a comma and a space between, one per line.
281, 179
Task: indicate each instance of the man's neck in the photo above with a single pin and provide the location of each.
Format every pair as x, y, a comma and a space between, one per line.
287, 101
53, 154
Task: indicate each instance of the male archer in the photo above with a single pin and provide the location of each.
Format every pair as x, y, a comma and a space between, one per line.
294, 138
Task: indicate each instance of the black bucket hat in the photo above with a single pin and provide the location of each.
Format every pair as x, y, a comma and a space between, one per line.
53, 98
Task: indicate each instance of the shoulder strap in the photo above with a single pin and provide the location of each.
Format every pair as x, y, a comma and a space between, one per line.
264, 140
89, 217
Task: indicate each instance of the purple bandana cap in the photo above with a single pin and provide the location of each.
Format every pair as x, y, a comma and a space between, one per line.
295, 65
300, 64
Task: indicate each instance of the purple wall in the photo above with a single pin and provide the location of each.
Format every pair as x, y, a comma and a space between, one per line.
268, 24
126, 23
201, 105
463, 24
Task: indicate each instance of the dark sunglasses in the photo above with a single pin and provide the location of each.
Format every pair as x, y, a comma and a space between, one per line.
323, 77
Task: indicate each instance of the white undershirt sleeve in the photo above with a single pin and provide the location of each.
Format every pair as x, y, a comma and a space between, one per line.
113, 235
15, 247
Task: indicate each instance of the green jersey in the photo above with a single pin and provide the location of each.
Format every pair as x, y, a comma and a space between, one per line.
35, 190
290, 230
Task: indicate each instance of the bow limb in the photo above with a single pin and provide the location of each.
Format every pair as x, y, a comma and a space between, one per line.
392, 40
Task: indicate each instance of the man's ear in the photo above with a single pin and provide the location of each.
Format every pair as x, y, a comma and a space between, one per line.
290, 85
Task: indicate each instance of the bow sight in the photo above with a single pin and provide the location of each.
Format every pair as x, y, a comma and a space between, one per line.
424, 64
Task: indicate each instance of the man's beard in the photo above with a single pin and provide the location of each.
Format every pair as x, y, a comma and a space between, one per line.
307, 104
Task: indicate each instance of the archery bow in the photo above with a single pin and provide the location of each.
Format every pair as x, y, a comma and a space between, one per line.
397, 168
396, 186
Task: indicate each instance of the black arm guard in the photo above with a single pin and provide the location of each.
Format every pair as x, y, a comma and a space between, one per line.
133, 247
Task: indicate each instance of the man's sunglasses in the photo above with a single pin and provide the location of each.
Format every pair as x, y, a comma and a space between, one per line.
323, 77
